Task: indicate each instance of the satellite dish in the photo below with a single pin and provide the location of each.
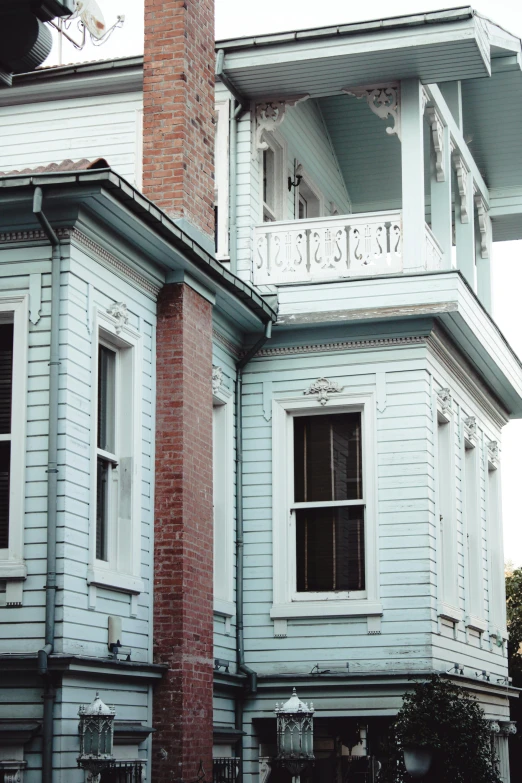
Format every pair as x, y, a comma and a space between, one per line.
90, 14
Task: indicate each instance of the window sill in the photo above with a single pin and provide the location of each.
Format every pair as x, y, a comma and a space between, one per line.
113, 580
12, 569
449, 612
224, 608
476, 624
326, 608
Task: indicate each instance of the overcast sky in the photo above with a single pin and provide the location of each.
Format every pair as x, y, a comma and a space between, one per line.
237, 17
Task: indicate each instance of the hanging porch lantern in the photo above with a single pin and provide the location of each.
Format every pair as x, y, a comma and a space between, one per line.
295, 735
96, 736
417, 761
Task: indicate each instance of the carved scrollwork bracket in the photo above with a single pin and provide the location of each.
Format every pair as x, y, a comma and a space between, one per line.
270, 115
437, 136
508, 727
462, 172
384, 101
484, 225
323, 388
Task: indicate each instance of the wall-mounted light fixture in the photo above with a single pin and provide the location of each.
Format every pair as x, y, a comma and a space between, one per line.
96, 730
295, 735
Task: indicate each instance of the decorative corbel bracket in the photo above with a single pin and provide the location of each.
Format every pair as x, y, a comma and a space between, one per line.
119, 312
462, 172
493, 452
470, 429
483, 223
437, 136
508, 727
384, 101
444, 401
269, 116
217, 378
323, 388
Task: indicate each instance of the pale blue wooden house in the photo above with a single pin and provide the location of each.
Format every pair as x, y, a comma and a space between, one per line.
363, 174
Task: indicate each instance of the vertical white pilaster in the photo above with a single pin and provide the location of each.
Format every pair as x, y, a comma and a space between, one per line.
412, 123
465, 221
483, 253
441, 201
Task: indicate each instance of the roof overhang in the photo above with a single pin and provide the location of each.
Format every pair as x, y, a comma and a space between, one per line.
434, 47
412, 302
112, 202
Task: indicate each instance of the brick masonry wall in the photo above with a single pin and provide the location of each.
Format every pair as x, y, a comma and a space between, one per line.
178, 103
183, 550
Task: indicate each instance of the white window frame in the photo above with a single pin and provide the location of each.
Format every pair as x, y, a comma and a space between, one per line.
448, 603
278, 145
472, 517
224, 485
125, 577
15, 310
496, 586
222, 193
287, 602
310, 185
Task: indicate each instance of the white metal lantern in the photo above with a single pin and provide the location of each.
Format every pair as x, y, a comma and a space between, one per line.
417, 761
96, 736
295, 734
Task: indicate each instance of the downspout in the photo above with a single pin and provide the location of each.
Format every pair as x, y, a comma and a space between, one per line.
240, 637
238, 105
52, 487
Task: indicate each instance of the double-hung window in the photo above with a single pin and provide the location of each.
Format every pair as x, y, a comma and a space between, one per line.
106, 459
116, 458
329, 503
272, 178
324, 508
14, 318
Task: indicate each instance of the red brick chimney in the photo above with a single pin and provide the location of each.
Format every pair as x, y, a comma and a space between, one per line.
178, 109
178, 176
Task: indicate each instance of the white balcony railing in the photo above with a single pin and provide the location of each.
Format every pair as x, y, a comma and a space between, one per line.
333, 248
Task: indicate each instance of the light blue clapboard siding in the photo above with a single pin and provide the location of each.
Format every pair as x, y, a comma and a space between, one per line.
83, 630
74, 128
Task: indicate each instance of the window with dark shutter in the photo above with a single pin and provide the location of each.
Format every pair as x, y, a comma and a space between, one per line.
6, 387
329, 503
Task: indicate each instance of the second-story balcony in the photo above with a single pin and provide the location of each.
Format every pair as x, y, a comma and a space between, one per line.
336, 248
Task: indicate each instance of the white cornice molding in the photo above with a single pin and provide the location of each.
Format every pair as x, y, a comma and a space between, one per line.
447, 353
100, 253
351, 345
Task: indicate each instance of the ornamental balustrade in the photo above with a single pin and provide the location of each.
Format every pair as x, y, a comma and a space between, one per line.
334, 248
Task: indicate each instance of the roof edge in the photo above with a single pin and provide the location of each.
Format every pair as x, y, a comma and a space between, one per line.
146, 210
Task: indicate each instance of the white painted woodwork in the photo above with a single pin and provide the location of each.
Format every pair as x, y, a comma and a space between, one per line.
103, 126
465, 222
335, 248
412, 149
441, 199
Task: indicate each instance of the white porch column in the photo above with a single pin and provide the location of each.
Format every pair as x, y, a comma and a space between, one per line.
441, 201
413, 221
483, 253
465, 221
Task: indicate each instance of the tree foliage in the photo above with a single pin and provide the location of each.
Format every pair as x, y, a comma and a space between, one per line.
443, 716
514, 623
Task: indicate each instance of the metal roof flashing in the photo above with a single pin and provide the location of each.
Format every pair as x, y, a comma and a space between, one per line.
110, 185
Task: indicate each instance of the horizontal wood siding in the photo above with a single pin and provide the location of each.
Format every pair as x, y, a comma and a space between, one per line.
406, 537
83, 630
102, 126
22, 627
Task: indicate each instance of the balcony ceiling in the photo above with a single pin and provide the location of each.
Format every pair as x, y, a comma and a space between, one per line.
434, 47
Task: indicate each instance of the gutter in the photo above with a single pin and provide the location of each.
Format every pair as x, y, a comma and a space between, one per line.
240, 541
159, 222
52, 493
238, 106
